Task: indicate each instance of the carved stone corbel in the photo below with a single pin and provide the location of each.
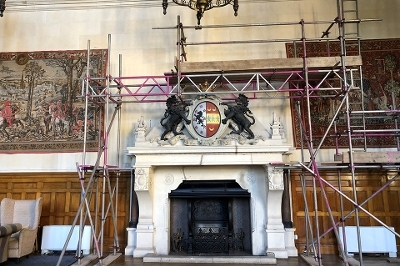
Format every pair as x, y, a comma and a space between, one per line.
142, 178
275, 179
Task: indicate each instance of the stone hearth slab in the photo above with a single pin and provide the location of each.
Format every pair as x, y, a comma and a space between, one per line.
251, 260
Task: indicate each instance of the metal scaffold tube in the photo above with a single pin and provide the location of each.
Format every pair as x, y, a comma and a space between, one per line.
342, 40
103, 208
289, 23
317, 252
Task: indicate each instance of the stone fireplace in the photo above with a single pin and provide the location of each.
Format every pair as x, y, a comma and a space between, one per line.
174, 180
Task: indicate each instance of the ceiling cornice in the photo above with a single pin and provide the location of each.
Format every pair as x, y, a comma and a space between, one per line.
57, 5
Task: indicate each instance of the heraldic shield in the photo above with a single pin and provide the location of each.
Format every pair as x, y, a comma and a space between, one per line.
205, 114
206, 119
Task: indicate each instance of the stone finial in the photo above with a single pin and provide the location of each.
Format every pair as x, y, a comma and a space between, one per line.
275, 126
140, 130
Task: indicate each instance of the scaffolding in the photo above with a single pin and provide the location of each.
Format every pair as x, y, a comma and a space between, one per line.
299, 79
96, 91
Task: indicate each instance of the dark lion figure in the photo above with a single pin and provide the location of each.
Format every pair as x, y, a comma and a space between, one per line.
239, 114
174, 114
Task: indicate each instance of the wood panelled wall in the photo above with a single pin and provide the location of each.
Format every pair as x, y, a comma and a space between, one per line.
61, 193
384, 205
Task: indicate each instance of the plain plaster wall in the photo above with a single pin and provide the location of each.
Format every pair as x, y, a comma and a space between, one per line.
149, 51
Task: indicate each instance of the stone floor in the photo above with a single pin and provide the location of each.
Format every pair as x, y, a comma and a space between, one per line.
327, 260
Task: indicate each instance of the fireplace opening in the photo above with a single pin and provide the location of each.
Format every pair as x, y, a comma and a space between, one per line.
210, 218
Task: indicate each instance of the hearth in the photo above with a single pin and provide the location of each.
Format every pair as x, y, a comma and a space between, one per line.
210, 217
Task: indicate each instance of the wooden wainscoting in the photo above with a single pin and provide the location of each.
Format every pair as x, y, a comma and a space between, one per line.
61, 193
385, 205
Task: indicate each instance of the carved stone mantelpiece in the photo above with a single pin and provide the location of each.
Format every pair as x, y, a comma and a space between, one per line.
162, 165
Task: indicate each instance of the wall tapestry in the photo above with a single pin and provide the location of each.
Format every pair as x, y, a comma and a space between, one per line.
41, 110
381, 87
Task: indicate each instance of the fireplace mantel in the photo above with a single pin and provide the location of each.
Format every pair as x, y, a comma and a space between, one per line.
161, 166
149, 150
256, 155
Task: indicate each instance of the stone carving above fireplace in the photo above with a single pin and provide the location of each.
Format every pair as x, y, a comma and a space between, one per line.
207, 127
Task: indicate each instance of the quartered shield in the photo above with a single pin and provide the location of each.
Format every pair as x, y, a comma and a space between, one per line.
206, 119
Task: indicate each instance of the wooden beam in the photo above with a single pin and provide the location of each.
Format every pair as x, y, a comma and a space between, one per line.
267, 64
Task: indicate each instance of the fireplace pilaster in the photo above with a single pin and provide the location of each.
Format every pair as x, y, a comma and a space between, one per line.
140, 239
279, 240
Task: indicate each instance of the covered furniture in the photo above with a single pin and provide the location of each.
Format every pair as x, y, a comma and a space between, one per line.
5, 233
27, 213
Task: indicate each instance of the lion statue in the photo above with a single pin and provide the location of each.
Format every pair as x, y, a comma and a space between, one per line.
240, 114
173, 116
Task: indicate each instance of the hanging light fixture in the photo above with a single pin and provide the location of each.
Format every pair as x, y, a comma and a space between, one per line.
202, 5
2, 7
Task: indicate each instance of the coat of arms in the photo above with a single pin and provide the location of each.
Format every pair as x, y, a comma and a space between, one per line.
206, 113
206, 119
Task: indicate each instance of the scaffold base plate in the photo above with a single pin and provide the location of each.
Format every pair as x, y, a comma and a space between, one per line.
310, 260
85, 260
92, 257
353, 261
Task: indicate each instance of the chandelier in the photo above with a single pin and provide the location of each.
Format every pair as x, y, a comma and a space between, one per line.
202, 5
2, 7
